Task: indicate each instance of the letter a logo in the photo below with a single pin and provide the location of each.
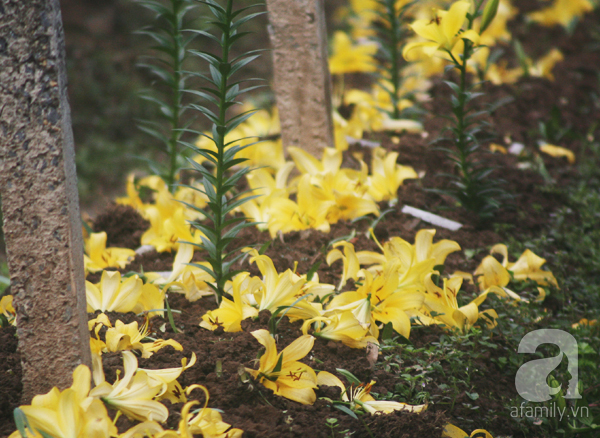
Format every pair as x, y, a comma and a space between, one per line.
531, 377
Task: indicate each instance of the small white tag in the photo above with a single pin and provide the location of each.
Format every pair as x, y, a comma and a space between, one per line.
362, 142
144, 249
431, 218
516, 148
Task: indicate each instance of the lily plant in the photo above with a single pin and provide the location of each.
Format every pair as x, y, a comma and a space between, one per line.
450, 34
220, 96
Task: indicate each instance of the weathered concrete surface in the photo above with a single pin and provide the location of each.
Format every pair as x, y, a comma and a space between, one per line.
301, 70
38, 185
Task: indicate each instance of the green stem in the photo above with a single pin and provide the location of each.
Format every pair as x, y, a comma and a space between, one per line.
176, 98
221, 129
393, 18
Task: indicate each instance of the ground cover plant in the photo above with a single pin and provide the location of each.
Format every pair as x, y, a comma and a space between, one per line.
349, 317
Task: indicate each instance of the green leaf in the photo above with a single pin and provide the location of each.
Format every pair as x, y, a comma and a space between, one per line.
170, 318
351, 378
345, 410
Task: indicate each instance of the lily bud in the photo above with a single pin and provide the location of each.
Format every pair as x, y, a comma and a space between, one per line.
489, 12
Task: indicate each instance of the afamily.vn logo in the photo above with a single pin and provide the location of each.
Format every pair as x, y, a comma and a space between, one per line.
552, 411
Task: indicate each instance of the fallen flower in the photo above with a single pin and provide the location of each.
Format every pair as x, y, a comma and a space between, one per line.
282, 373
129, 337
230, 314
359, 396
451, 431
100, 257
557, 151
133, 394
112, 294
72, 413
342, 327
528, 266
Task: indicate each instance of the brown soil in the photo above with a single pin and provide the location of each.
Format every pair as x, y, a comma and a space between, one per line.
260, 413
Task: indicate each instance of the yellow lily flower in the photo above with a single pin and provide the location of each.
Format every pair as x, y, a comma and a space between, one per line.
100, 257
387, 176
415, 261
112, 295
280, 290
584, 322
443, 32
306, 163
282, 373
184, 278
310, 210
561, 12
7, 309
129, 337
168, 376
153, 182
491, 273
342, 327
452, 431
71, 413
528, 266
209, 422
359, 397
168, 229
557, 151
379, 299
542, 68
134, 394
97, 346
443, 302
230, 314
350, 260
351, 58
262, 124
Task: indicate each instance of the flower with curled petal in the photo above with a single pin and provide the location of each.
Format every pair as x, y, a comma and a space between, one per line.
359, 396
129, 337
134, 393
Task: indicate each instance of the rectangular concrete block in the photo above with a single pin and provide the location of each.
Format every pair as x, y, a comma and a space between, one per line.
40, 203
301, 73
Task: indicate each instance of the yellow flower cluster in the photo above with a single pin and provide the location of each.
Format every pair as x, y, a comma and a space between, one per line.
395, 286
80, 411
494, 276
166, 212
324, 192
398, 285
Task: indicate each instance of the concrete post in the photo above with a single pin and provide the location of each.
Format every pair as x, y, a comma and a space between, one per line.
38, 185
301, 73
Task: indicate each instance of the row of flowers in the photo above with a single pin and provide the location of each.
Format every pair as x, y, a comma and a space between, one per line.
397, 284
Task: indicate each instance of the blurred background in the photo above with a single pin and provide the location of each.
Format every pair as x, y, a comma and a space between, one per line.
104, 82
